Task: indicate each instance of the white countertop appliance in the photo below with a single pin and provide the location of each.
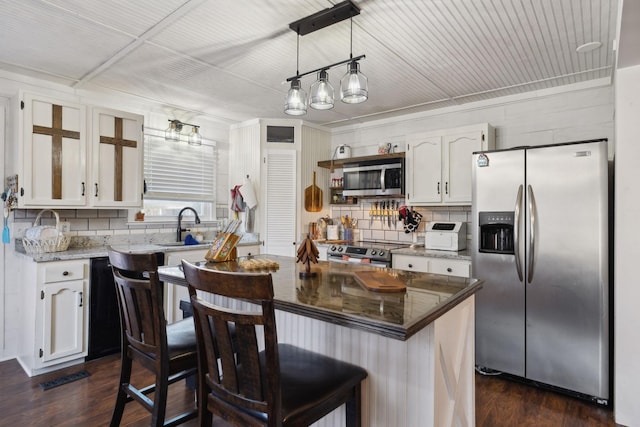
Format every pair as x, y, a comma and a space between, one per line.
343, 152
446, 236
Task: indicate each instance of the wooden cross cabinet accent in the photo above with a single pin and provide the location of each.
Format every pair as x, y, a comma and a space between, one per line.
57, 133
67, 147
118, 142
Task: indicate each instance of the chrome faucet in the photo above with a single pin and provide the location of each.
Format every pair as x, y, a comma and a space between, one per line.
180, 229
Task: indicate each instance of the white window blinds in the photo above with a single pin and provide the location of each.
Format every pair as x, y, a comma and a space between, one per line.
175, 170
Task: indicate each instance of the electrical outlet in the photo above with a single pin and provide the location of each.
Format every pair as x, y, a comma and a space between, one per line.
65, 226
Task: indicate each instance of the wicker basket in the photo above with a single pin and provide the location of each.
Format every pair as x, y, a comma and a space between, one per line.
50, 244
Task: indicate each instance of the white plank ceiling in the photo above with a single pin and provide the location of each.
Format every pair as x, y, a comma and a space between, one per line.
229, 59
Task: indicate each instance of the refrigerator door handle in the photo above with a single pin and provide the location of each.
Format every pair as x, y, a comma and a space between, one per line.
532, 234
516, 233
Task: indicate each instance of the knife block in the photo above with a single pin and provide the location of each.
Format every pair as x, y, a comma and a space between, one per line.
223, 248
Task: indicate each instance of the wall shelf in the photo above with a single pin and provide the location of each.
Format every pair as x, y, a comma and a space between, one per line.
337, 192
339, 163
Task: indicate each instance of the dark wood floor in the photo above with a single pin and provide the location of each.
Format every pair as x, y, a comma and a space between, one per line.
89, 401
503, 402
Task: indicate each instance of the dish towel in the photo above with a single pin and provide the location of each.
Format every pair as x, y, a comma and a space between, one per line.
237, 203
249, 197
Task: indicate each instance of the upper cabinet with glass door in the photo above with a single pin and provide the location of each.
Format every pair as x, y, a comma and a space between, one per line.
78, 157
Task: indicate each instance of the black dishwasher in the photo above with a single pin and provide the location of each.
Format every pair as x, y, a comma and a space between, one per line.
104, 316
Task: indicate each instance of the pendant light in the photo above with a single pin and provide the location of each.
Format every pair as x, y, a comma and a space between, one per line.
321, 92
296, 102
194, 137
354, 85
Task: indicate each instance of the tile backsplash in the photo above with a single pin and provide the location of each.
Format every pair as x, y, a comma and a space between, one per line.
100, 227
377, 229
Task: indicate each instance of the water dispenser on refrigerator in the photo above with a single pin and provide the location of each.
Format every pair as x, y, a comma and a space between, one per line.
496, 232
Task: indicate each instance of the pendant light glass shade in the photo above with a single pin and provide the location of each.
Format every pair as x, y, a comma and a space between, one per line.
354, 86
296, 102
194, 137
172, 133
321, 92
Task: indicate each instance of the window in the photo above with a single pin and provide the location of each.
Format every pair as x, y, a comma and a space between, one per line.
177, 175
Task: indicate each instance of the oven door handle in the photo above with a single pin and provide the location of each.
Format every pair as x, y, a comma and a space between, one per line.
358, 261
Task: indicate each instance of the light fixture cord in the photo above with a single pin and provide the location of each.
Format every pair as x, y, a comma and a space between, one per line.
298, 55
351, 39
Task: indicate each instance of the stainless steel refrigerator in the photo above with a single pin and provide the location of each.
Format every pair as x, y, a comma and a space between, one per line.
540, 243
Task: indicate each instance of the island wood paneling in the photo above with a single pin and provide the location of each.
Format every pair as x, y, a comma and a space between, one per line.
401, 389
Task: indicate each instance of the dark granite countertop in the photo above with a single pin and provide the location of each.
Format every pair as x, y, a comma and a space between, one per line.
335, 296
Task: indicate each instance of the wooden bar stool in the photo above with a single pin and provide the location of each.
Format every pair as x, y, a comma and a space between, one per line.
282, 385
169, 351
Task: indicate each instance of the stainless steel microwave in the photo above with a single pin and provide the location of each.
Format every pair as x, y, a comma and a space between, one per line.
384, 177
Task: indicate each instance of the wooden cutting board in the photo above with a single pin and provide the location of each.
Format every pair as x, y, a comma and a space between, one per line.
378, 281
313, 197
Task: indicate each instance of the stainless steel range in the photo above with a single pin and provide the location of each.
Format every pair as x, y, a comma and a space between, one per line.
377, 253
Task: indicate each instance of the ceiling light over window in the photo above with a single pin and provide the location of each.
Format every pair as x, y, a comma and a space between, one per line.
175, 127
194, 137
173, 134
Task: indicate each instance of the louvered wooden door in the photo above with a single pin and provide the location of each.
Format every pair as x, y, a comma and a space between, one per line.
281, 202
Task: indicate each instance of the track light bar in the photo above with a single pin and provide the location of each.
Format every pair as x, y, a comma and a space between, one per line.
178, 124
324, 18
326, 67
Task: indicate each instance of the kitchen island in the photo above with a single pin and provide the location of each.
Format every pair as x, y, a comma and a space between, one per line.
417, 345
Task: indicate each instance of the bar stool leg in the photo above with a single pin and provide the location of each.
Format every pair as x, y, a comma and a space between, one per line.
121, 398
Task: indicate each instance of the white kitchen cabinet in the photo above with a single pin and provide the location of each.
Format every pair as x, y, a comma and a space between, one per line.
248, 250
438, 164
53, 155
174, 293
78, 157
117, 159
450, 267
55, 317
410, 263
323, 248
436, 265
